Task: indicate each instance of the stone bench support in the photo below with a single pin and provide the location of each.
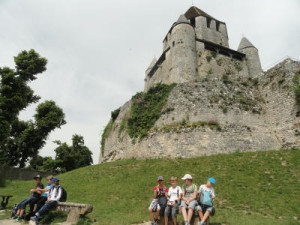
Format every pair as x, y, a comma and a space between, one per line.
5, 199
75, 210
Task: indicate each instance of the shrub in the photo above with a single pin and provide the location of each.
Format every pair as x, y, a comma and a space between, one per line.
210, 71
214, 54
105, 134
296, 81
146, 109
115, 113
208, 58
238, 66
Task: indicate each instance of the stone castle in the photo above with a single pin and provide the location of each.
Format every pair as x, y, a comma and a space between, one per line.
189, 44
254, 110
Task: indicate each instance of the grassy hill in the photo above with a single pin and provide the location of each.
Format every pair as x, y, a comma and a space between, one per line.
252, 188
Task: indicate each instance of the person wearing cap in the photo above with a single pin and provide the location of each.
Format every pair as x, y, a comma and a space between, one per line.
45, 191
35, 196
207, 195
189, 196
159, 201
53, 198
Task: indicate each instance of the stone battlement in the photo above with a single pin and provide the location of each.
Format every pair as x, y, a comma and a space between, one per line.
190, 44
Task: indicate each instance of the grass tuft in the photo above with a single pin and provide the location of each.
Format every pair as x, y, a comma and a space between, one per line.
252, 187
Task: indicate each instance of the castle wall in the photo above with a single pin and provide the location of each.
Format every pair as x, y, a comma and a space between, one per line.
162, 74
251, 116
211, 33
280, 104
212, 64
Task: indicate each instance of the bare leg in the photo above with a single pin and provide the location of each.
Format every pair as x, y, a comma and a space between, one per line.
151, 215
184, 214
158, 213
190, 214
174, 221
18, 212
166, 220
200, 214
21, 212
205, 217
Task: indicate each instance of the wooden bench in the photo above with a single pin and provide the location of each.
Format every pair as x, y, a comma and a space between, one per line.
75, 210
5, 199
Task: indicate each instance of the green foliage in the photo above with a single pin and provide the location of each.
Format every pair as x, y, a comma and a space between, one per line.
237, 65
214, 54
72, 157
105, 134
146, 108
226, 79
208, 58
108, 128
115, 113
21, 140
250, 187
219, 61
296, 81
210, 71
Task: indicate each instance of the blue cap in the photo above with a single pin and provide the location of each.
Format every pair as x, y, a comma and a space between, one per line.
55, 179
212, 180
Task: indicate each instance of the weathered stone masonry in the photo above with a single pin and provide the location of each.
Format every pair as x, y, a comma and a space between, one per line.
254, 110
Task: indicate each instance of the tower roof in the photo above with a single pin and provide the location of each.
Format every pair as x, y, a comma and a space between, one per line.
195, 12
182, 19
154, 60
245, 43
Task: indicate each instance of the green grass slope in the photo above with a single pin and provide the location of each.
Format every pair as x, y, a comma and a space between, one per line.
252, 188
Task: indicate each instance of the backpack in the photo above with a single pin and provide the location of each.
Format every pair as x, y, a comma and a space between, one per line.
205, 198
162, 199
63, 196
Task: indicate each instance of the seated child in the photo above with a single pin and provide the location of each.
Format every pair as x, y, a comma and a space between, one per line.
189, 196
32, 199
174, 196
207, 195
159, 201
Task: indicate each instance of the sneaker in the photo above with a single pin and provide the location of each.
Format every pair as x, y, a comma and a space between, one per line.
18, 219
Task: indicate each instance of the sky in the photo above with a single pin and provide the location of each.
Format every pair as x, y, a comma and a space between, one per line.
98, 50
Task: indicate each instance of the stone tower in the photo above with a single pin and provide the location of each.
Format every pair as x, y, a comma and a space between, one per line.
197, 46
252, 57
207, 28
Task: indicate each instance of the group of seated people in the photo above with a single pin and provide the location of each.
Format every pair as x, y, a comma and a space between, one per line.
41, 200
185, 199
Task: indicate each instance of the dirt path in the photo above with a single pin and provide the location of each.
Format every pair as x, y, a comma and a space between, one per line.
12, 222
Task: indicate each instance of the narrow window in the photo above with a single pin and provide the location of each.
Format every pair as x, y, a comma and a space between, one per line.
218, 26
193, 22
173, 43
208, 21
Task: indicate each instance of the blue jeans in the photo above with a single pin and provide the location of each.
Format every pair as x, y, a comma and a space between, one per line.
48, 206
23, 203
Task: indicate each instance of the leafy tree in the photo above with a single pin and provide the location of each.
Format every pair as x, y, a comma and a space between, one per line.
21, 140
72, 157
